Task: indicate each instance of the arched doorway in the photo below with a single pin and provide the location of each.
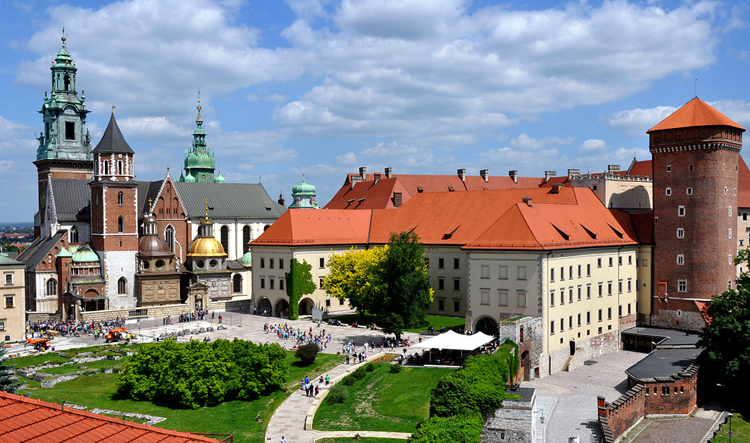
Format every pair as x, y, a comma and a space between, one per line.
488, 325
525, 367
282, 307
306, 306
264, 307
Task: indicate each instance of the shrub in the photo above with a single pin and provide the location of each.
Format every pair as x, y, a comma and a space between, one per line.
338, 394
355, 376
307, 353
456, 429
369, 367
395, 369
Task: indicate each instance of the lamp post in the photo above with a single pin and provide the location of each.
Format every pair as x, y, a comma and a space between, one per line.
730, 415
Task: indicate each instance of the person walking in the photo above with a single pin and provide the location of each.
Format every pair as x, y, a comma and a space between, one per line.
328, 379
283, 440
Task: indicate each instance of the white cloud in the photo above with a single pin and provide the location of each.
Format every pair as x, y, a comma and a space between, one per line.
348, 159
523, 141
635, 122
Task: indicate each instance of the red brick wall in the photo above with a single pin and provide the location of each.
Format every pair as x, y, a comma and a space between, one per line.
113, 240
681, 402
623, 413
169, 211
707, 267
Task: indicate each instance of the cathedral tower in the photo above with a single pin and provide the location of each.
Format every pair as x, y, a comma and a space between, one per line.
64, 149
695, 169
114, 214
200, 163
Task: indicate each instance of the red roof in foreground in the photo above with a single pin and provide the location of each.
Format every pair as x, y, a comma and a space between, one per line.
35, 421
703, 308
696, 112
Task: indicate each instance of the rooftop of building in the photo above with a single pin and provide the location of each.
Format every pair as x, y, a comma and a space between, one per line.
665, 337
663, 363
695, 113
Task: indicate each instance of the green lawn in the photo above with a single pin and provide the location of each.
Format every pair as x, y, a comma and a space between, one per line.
235, 417
440, 320
382, 401
361, 440
740, 430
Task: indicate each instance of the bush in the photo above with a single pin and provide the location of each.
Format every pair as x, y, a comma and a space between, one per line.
355, 376
456, 429
338, 394
395, 369
369, 367
307, 353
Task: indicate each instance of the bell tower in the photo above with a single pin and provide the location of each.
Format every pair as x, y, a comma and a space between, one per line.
200, 163
64, 149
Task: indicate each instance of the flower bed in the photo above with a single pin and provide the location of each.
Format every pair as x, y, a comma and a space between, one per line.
386, 358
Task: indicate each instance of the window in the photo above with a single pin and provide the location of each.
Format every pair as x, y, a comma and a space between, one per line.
328, 303
744, 216
630, 259
600, 315
645, 262
611, 262
601, 289
225, 240
503, 297
668, 191
730, 211
341, 302
456, 284
562, 296
441, 263
730, 258
629, 310
552, 274
122, 284
588, 317
552, 327
680, 259
689, 191
245, 239
598, 263
588, 270
485, 271
120, 227
281, 284
681, 285
119, 167
521, 299
106, 167
262, 283
619, 261
579, 271
120, 198
2, 325
579, 319
619, 286
522, 273
669, 168
169, 237
9, 301
70, 131
441, 305
570, 322
8, 279
680, 211
588, 291
262, 262
320, 283
680, 233
562, 324
237, 284
456, 263
322, 263
441, 283
730, 232
570, 272
271, 283
552, 297
609, 313
630, 285
726, 190
503, 272
281, 263
485, 297
456, 306
73, 234
270, 263
562, 274
52, 287
570, 294
580, 293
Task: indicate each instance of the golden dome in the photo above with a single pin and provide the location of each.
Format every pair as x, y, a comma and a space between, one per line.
206, 247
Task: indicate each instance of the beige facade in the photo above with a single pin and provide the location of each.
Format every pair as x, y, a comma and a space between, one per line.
448, 273
13, 296
617, 191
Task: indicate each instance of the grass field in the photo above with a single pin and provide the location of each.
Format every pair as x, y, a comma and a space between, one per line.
740, 430
236, 417
382, 401
361, 440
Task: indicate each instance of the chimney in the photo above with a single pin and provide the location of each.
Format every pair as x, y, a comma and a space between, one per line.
363, 173
513, 175
461, 174
548, 175
281, 199
527, 200
556, 187
388, 172
355, 179
376, 177
397, 199
613, 168
485, 174
573, 173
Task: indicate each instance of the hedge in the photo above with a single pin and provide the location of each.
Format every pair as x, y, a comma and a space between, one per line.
455, 429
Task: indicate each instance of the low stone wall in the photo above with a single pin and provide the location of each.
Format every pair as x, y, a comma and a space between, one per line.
42, 316
561, 360
622, 414
676, 395
513, 423
151, 312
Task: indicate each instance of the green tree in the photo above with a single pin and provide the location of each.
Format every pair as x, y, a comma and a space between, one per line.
726, 339
404, 293
8, 381
454, 429
353, 276
299, 282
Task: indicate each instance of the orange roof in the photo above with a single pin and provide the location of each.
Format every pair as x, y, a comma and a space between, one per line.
743, 185
696, 112
31, 420
641, 168
557, 226
318, 227
703, 308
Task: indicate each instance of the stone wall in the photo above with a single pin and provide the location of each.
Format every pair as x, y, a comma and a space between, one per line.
561, 360
528, 333
627, 322
668, 315
622, 414
513, 423
42, 316
151, 312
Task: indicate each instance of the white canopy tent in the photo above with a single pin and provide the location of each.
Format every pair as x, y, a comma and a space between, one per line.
452, 340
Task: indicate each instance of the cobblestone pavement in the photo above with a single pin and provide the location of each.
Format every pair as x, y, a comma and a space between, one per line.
685, 430
574, 414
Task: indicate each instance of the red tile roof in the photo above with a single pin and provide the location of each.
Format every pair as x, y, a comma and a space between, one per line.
743, 185
703, 308
318, 227
35, 421
642, 168
696, 112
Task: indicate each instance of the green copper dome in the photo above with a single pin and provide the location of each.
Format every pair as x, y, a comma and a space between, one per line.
219, 178
189, 178
64, 253
247, 259
199, 159
303, 196
84, 254
303, 188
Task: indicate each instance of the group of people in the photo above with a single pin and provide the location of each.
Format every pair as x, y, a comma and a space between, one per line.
70, 326
312, 389
300, 337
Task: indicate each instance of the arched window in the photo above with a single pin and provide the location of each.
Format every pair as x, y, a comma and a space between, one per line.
119, 224
66, 80
225, 238
119, 198
73, 235
169, 237
52, 287
245, 239
122, 285
106, 167
237, 284
119, 167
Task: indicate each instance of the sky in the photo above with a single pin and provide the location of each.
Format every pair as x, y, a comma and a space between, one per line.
322, 87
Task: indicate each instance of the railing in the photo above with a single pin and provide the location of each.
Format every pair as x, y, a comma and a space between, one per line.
137, 313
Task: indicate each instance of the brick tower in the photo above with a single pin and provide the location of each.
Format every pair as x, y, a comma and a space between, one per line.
64, 149
114, 215
695, 159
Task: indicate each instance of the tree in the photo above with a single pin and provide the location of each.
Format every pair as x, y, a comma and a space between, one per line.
307, 353
404, 291
8, 381
726, 339
353, 277
298, 283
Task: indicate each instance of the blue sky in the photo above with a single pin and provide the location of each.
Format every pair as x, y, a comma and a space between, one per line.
322, 87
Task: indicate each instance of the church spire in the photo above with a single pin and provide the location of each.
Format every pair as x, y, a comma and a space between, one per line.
199, 160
